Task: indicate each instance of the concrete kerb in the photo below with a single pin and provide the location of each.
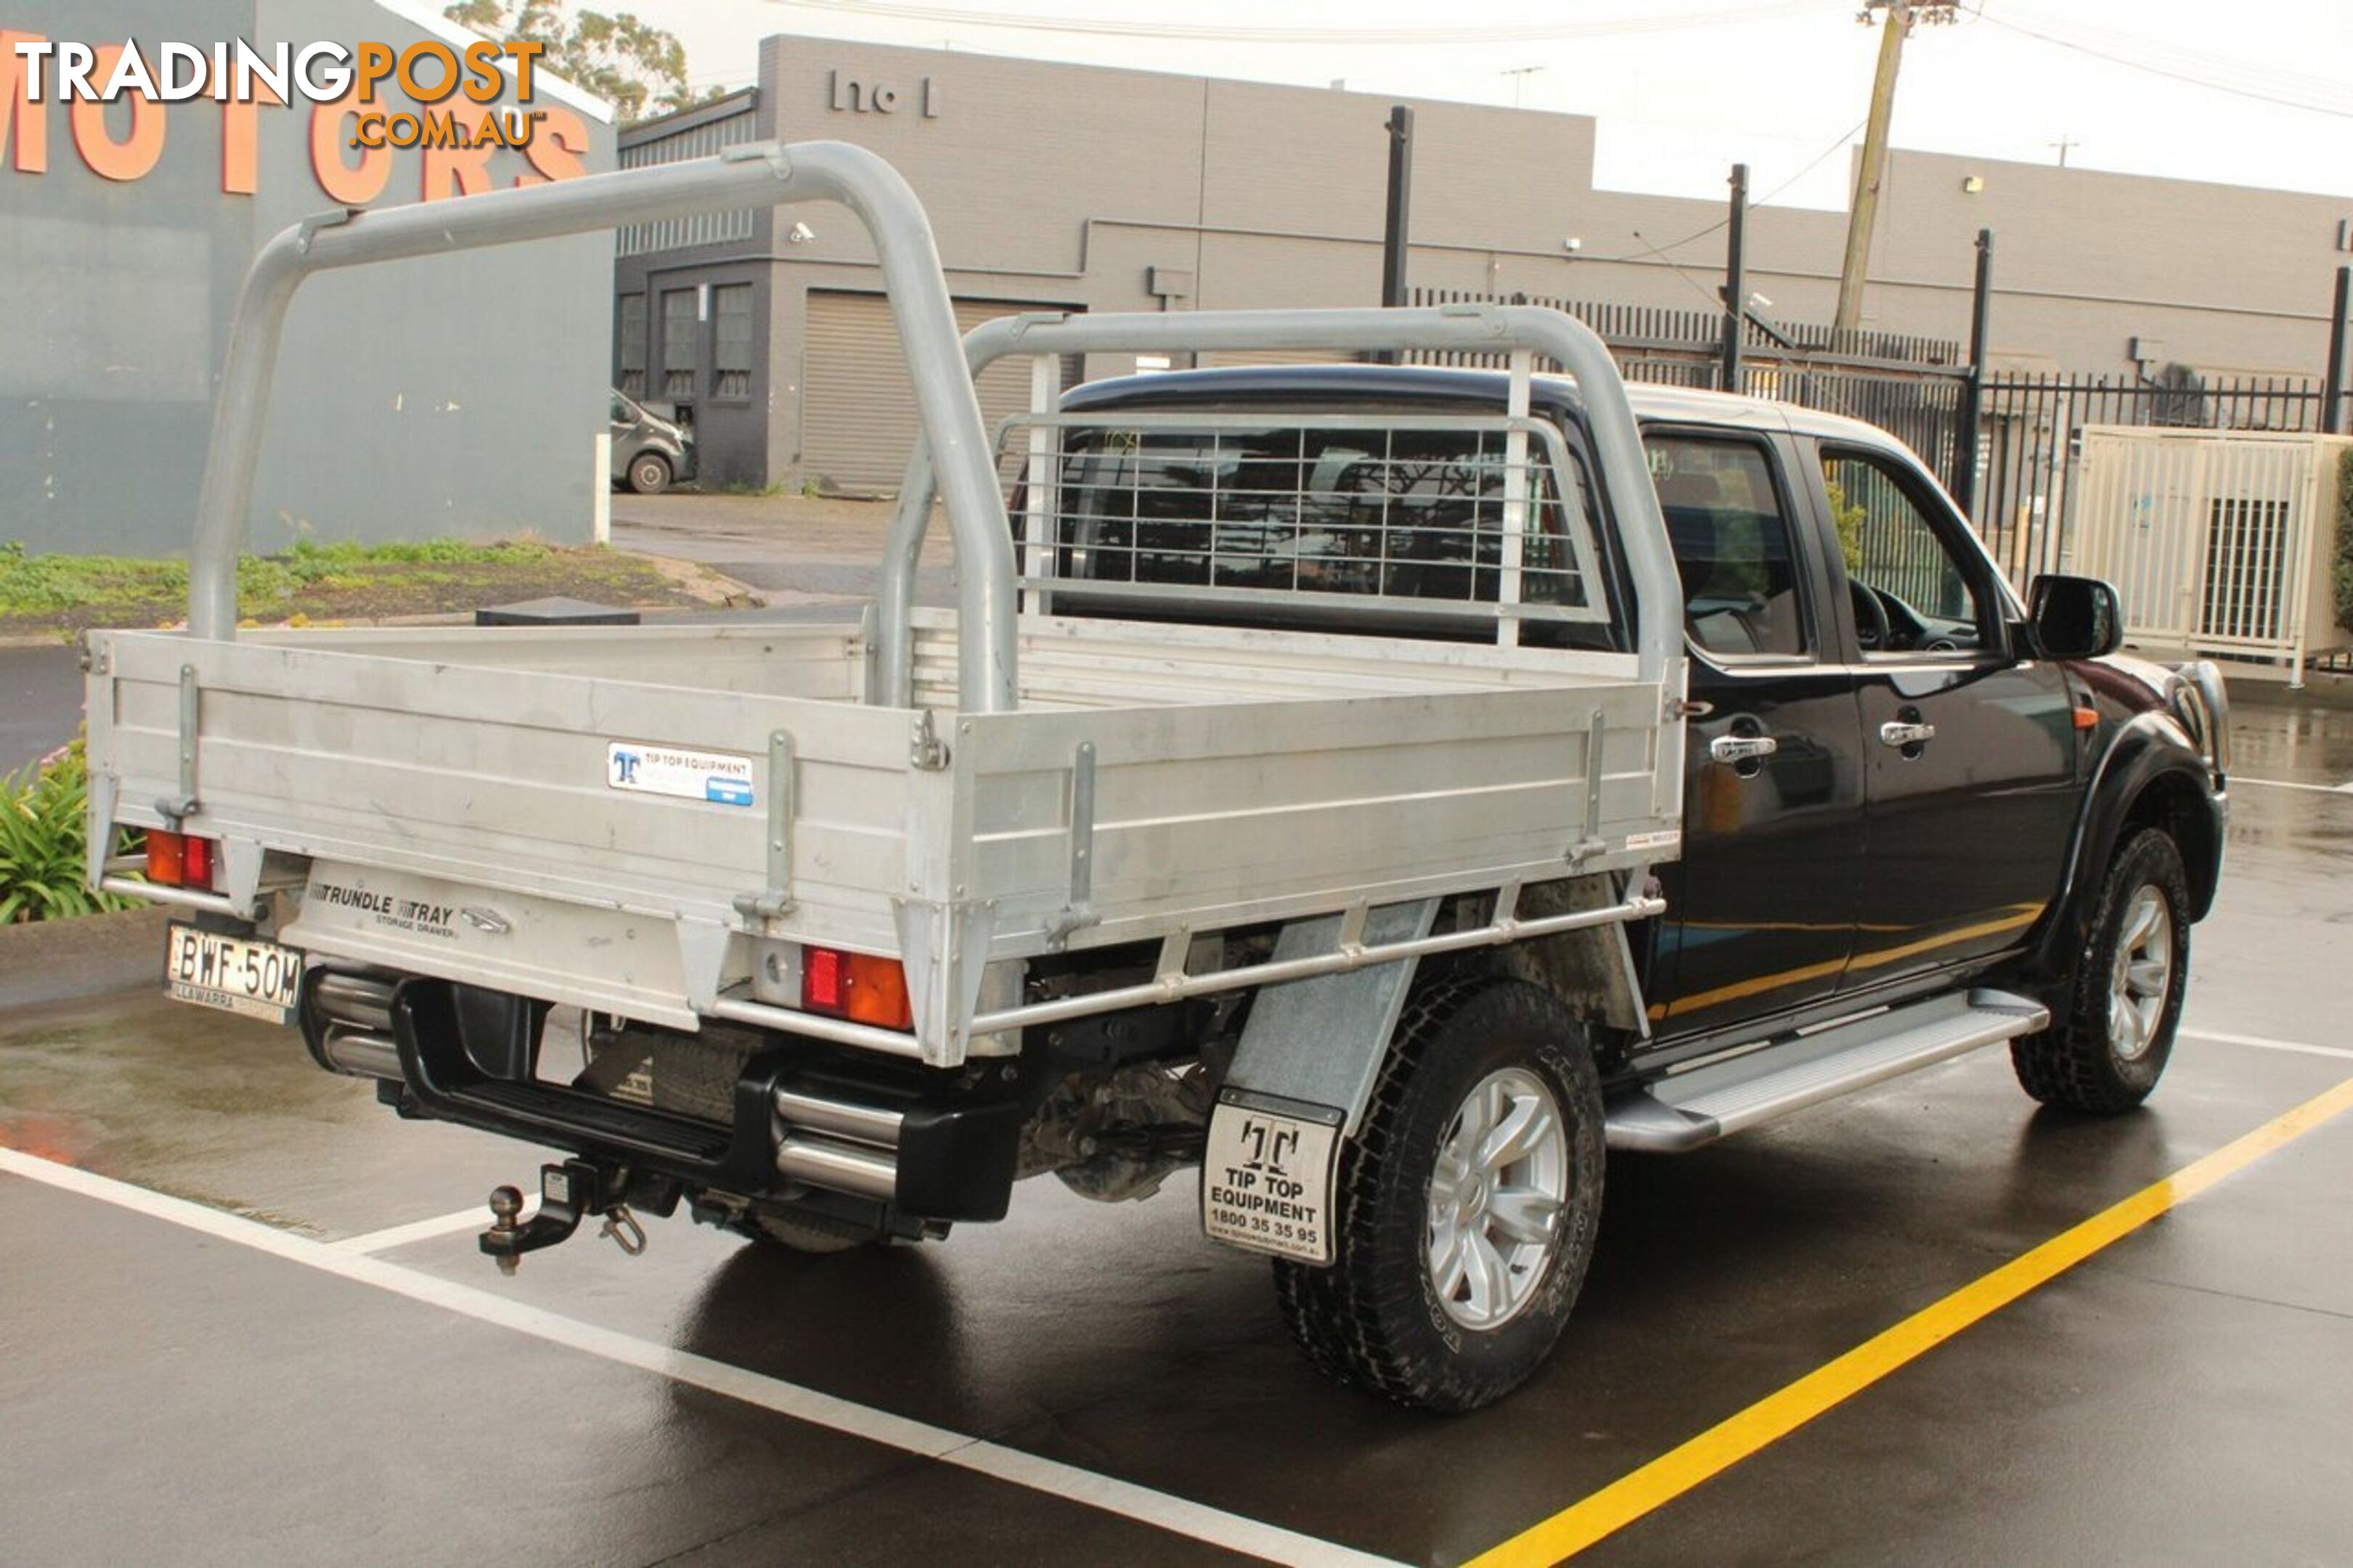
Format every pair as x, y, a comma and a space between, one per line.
2267, 687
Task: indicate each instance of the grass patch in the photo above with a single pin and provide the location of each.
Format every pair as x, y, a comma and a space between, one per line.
2344, 554
68, 593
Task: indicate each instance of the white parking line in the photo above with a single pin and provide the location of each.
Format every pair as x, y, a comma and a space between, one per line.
384, 1240
1174, 1514
2346, 789
2261, 1043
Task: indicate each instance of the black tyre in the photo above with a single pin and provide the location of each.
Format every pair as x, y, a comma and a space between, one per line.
649, 473
2105, 1052
1468, 1204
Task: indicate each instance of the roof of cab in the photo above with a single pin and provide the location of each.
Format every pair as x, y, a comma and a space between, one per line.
1423, 384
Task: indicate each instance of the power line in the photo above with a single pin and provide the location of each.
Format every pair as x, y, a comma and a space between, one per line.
1765, 200
2190, 78
1418, 36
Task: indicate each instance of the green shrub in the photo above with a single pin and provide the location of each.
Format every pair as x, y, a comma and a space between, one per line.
42, 833
1847, 518
2345, 542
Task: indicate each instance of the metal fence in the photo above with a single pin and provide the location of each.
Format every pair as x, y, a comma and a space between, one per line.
2030, 437
1913, 386
2007, 447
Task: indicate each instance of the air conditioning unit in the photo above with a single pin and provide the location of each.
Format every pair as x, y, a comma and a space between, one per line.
2219, 541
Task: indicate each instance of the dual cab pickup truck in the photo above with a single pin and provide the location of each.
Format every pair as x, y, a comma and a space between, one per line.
1387, 789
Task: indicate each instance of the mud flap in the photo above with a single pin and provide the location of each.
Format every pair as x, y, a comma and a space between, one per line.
1268, 1175
1320, 1041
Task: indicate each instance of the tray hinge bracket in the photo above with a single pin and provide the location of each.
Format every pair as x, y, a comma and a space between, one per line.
1080, 912
178, 809
776, 900
1597, 737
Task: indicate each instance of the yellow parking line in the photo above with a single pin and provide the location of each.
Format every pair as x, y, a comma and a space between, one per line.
1777, 1414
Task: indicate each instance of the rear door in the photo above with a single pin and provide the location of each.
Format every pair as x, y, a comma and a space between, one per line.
1761, 908
1971, 779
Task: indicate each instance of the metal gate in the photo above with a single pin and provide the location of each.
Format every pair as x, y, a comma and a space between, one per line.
2217, 543
858, 414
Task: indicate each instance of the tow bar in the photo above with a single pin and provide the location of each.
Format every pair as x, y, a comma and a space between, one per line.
568, 1194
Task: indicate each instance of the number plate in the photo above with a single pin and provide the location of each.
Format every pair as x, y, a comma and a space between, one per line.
1267, 1177
235, 974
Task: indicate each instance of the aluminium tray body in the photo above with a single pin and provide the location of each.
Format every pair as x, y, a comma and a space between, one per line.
446, 801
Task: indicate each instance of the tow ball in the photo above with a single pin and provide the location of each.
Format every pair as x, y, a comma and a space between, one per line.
568, 1194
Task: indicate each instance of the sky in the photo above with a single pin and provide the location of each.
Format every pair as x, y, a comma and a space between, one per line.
1684, 89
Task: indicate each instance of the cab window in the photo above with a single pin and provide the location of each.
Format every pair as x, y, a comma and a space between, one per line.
1911, 587
1732, 539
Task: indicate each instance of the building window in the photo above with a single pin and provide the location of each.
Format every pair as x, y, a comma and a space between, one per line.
632, 332
681, 343
731, 355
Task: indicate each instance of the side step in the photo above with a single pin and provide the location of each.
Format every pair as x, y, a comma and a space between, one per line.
1686, 1110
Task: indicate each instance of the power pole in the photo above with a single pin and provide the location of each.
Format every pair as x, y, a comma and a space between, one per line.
1862, 213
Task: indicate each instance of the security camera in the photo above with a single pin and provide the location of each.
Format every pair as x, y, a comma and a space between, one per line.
1572, 244
801, 233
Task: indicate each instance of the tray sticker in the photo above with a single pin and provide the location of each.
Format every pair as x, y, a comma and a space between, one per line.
673, 770
1267, 1180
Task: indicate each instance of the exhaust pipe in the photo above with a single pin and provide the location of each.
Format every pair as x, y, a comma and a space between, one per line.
361, 1054
350, 1020
838, 1145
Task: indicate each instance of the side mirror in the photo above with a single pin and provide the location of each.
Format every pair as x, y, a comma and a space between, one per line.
2074, 617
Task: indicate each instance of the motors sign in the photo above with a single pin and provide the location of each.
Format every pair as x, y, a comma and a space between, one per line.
463, 105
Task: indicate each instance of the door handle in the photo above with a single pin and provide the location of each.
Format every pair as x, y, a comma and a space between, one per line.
1738, 749
1896, 733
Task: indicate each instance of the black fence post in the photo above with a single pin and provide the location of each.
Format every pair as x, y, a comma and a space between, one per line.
1964, 437
2332, 395
1400, 214
1400, 209
1736, 281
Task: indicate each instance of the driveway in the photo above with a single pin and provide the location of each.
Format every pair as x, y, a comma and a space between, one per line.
40, 701
796, 550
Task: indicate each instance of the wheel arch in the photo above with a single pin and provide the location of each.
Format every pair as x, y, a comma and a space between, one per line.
2176, 802
2152, 775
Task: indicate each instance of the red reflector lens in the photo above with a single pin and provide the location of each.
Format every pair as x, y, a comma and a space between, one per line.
177, 861
857, 986
823, 981
167, 858
198, 860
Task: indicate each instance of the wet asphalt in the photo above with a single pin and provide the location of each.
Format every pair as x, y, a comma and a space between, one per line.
2185, 1395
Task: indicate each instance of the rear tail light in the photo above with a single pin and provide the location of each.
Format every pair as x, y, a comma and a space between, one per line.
179, 861
857, 986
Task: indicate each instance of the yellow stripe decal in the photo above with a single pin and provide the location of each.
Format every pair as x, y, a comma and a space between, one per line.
1777, 1414
1780, 978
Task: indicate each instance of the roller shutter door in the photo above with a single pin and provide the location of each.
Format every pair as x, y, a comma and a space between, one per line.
858, 412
